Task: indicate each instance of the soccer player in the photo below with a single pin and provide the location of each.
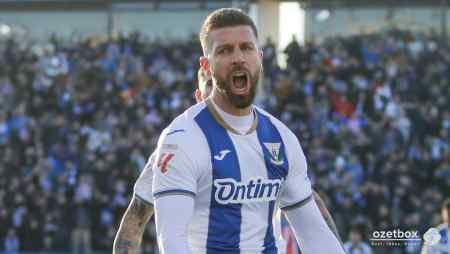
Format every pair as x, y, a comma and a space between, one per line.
443, 245
140, 209
224, 164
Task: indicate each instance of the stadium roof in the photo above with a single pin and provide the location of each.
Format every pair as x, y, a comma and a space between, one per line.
157, 4
102, 4
370, 3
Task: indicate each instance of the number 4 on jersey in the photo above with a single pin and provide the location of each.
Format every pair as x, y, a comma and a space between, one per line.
163, 161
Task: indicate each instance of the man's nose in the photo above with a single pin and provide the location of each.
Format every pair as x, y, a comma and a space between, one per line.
238, 56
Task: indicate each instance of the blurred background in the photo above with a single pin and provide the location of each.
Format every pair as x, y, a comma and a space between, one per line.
87, 86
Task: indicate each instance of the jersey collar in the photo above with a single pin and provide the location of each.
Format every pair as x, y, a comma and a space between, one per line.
224, 124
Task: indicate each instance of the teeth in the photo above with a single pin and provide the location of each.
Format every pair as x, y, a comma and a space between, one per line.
239, 74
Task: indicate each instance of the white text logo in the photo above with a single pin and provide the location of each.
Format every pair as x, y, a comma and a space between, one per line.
229, 191
222, 155
396, 237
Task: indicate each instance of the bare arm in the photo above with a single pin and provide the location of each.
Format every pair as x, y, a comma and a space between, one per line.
327, 216
129, 236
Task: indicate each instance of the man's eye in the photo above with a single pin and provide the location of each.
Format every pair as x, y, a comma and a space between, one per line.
224, 51
247, 47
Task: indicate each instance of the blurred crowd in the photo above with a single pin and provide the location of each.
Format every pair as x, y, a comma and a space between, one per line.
79, 119
77, 123
373, 115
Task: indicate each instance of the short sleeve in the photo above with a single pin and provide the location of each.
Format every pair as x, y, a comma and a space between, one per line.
297, 187
144, 183
174, 171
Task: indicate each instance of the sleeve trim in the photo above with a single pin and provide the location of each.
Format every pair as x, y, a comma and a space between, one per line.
298, 204
146, 201
173, 192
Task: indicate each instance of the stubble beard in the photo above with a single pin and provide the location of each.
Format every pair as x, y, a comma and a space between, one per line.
238, 101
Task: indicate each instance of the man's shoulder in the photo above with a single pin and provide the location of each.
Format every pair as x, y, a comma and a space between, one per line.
366, 246
347, 245
185, 121
175, 145
442, 227
187, 118
183, 130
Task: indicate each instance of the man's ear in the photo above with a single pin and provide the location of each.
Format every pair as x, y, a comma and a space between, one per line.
261, 54
198, 95
204, 63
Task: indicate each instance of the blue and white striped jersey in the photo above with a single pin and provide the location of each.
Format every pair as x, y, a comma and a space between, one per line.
443, 245
236, 180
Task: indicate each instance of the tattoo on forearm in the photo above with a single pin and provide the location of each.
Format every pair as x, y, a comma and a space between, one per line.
327, 216
129, 235
125, 246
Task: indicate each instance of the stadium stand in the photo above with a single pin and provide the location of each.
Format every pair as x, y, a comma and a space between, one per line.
78, 121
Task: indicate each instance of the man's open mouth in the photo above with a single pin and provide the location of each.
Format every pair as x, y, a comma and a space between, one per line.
240, 83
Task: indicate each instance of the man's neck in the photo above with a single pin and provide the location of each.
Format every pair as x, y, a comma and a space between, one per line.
226, 106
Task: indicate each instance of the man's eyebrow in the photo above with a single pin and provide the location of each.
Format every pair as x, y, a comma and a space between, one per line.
225, 45
248, 43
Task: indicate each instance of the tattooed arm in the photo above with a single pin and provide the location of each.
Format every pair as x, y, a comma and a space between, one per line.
327, 216
129, 236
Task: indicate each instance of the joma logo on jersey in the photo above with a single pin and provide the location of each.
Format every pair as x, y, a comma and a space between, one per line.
229, 191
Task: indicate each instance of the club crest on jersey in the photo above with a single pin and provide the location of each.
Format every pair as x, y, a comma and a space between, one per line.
163, 162
274, 149
229, 191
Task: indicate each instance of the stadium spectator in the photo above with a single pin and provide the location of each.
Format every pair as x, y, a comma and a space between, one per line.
11, 242
356, 245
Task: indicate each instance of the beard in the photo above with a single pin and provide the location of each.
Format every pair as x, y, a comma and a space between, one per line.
239, 101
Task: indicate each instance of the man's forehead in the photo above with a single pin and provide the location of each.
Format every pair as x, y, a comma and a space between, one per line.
231, 35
